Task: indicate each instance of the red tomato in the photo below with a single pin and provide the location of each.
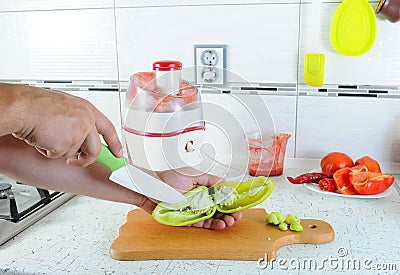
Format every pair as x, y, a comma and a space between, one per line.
372, 165
342, 180
370, 183
335, 161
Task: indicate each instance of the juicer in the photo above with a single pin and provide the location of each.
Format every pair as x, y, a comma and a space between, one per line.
163, 123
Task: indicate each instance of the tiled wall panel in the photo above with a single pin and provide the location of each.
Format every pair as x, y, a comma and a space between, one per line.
262, 44
357, 126
380, 65
58, 45
162, 3
283, 113
25, 5
231, 116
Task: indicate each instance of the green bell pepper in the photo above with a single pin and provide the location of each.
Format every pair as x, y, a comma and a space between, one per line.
296, 226
283, 226
291, 221
202, 203
275, 218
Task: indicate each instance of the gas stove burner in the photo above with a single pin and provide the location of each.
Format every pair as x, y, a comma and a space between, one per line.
21, 205
4, 187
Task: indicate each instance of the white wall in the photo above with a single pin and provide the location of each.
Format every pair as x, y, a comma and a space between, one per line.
90, 47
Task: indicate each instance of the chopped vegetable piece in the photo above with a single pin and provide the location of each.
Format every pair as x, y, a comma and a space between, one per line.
283, 226
342, 181
296, 226
271, 218
370, 183
327, 185
283, 222
290, 218
275, 218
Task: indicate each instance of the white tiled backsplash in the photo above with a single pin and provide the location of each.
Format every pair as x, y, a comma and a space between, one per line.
90, 48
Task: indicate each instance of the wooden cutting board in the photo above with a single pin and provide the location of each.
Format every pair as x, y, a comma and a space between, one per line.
142, 238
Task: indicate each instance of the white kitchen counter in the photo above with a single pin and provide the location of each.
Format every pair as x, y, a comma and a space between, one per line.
76, 238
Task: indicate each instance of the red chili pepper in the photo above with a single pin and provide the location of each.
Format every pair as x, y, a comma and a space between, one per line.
327, 184
307, 178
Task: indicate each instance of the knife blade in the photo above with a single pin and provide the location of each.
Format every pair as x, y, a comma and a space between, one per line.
136, 180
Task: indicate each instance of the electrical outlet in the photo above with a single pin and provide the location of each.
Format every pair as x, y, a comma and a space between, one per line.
210, 63
209, 57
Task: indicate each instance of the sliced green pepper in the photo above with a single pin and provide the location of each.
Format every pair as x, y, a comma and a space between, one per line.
284, 223
283, 226
275, 218
296, 226
203, 202
291, 218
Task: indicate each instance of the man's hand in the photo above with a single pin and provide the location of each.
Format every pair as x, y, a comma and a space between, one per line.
59, 124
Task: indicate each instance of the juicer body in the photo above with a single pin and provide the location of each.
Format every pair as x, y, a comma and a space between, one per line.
162, 131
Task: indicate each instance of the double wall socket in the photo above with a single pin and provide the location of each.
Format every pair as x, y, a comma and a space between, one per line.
210, 63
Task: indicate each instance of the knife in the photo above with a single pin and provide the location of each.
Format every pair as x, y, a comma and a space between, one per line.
136, 180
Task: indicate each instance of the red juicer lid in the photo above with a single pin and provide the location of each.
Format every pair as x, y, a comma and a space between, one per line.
167, 65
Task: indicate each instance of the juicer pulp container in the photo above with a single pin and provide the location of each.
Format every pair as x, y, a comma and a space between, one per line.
162, 131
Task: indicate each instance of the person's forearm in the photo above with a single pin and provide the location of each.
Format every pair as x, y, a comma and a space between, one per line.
23, 163
56, 123
13, 102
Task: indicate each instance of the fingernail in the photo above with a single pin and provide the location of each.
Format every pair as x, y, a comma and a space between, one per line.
121, 153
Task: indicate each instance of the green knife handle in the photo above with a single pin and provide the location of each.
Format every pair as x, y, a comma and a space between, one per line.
109, 160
